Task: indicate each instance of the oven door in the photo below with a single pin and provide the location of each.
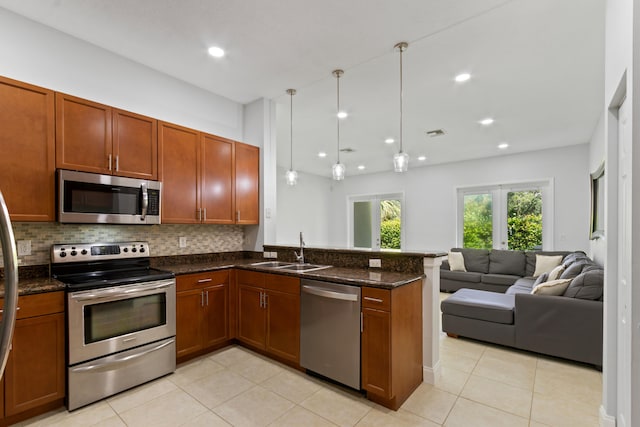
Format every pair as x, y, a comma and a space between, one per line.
109, 320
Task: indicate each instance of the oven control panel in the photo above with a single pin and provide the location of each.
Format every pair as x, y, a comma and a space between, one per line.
75, 252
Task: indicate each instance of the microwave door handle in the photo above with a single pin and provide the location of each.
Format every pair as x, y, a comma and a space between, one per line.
145, 201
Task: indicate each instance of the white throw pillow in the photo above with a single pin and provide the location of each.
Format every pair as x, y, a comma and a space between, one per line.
555, 273
553, 287
456, 261
546, 263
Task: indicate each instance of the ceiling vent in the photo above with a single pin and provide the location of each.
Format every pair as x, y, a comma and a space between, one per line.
347, 150
435, 132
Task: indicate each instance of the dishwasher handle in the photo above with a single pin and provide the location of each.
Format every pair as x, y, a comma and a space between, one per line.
314, 290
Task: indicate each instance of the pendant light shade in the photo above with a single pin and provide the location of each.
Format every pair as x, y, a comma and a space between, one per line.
291, 175
338, 169
401, 159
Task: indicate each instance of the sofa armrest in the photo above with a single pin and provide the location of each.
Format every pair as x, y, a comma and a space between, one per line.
560, 326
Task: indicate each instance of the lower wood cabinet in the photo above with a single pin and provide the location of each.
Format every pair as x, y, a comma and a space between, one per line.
34, 376
202, 312
269, 313
391, 343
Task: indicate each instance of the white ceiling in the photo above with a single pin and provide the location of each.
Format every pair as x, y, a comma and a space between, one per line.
537, 67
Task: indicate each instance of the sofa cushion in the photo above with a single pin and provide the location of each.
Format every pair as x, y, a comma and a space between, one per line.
531, 259
499, 279
522, 286
575, 268
462, 276
475, 259
546, 263
587, 285
481, 305
456, 261
573, 257
506, 262
551, 287
555, 273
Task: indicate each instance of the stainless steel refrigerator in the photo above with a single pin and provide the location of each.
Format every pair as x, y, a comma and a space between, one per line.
8, 323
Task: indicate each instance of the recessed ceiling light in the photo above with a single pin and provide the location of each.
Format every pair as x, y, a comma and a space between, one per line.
389, 141
463, 77
342, 114
503, 146
487, 121
322, 154
216, 52
422, 158
361, 167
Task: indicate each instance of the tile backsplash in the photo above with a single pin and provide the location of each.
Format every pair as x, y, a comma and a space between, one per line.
164, 239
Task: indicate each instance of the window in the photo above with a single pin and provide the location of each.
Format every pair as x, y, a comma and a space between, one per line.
376, 222
505, 216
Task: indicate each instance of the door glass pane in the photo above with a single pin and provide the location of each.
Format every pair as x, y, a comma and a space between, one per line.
390, 224
524, 220
362, 224
478, 221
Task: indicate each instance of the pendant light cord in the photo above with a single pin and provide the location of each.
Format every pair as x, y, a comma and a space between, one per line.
291, 93
338, 111
401, 49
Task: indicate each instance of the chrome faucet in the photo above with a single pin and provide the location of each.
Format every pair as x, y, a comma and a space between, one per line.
300, 257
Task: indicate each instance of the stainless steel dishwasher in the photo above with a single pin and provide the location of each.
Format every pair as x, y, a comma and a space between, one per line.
330, 330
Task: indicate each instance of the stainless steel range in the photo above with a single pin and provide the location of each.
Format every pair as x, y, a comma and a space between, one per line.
121, 314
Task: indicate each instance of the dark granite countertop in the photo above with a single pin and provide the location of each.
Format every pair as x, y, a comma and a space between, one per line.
35, 285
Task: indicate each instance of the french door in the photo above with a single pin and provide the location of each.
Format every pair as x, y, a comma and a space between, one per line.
376, 221
512, 216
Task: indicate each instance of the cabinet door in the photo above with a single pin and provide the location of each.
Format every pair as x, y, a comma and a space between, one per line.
83, 135
217, 180
27, 164
135, 145
247, 160
178, 153
376, 352
189, 308
283, 325
35, 372
216, 315
251, 316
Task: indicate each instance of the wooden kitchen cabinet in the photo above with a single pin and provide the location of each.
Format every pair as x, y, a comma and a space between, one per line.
27, 137
217, 178
202, 312
391, 343
93, 137
247, 181
269, 313
34, 378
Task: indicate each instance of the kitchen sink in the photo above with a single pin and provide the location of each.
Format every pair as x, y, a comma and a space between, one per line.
303, 267
272, 264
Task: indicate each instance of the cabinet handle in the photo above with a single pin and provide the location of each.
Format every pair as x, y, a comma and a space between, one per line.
117, 162
202, 299
205, 280
109, 161
266, 300
207, 292
199, 214
261, 299
2, 311
204, 216
373, 299
237, 215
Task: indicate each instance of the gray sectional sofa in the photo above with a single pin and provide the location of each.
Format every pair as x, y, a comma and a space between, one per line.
567, 326
492, 270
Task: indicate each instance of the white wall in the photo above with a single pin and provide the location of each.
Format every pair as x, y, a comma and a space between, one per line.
304, 207
33, 53
430, 195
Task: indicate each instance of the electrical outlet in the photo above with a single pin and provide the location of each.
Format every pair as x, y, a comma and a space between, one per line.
183, 241
24, 247
375, 262
274, 254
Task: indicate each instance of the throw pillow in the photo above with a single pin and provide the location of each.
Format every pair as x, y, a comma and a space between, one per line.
541, 279
546, 263
554, 287
456, 261
555, 273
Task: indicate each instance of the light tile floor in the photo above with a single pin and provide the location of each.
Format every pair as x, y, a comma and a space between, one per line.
481, 385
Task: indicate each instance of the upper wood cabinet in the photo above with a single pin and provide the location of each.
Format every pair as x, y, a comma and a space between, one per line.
206, 178
247, 164
93, 137
27, 138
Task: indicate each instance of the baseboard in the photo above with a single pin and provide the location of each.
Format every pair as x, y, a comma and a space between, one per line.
606, 420
431, 375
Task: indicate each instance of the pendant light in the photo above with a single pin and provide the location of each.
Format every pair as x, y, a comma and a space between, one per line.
338, 169
292, 175
401, 159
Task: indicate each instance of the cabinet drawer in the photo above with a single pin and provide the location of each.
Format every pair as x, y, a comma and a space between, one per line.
251, 278
282, 283
39, 304
201, 280
376, 298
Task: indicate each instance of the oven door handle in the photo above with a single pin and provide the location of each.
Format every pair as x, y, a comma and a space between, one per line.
109, 365
127, 292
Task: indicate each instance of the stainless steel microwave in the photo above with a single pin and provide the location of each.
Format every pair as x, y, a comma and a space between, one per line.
105, 199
